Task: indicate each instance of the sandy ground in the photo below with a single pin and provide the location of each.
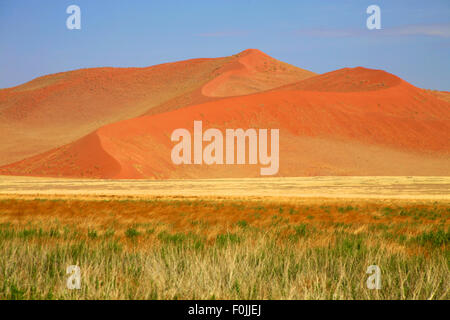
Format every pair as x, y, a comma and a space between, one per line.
418, 188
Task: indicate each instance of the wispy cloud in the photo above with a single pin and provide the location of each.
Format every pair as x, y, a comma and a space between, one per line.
219, 34
442, 30
328, 33
437, 30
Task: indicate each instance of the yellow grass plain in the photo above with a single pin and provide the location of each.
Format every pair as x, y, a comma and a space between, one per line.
279, 238
411, 188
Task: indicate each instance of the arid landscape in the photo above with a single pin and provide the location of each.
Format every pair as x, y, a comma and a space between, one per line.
116, 123
287, 238
223, 249
384, 188
86, 179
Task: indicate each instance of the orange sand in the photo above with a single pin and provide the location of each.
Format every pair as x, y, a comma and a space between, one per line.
353, 126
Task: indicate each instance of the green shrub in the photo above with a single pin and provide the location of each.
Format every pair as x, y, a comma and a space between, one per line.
132, 233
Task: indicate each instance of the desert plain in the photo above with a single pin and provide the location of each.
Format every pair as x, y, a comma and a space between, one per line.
87, 180
271, 238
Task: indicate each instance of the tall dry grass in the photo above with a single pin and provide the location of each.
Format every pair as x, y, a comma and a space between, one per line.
222, 249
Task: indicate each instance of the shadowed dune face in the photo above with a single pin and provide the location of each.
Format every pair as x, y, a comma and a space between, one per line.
54, 110
394, 130
57, 109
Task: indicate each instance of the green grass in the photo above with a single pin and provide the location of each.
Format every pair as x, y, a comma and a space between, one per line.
227, 239
234, 267
436, 238
132, 233
242, 223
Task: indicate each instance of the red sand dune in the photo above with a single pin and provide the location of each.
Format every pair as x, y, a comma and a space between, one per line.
443, 95
252, 71
348, 80
57, 109
353, 126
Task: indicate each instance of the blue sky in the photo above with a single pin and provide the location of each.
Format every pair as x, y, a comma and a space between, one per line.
320, 36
